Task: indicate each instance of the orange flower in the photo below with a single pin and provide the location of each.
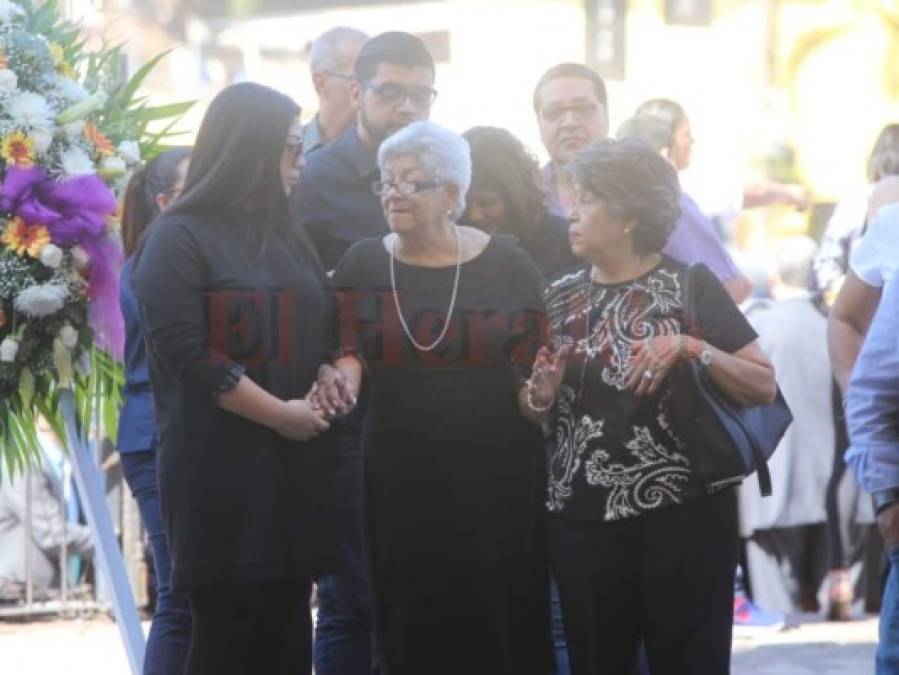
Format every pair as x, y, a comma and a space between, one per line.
22, 238
17, 149
100, 141
3, 61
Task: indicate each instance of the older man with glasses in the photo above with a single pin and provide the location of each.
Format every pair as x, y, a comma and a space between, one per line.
571, 105
392, 86
331, 60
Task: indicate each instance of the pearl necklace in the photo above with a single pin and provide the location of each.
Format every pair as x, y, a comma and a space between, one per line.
452, 304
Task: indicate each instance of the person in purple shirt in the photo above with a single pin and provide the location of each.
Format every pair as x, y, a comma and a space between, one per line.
694, 238
872, 412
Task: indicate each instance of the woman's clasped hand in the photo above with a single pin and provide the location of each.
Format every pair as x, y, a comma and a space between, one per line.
333, 395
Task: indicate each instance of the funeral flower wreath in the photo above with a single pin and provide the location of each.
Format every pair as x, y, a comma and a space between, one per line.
71, 129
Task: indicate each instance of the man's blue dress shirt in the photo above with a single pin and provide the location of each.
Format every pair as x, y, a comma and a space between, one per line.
872, 403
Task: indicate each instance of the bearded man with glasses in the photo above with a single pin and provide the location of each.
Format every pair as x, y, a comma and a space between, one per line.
392, 86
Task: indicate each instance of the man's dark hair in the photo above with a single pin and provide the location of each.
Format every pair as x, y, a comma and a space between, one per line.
572, 70
634, 182
395, 47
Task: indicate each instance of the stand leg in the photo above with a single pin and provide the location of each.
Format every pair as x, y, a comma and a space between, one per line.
108, 556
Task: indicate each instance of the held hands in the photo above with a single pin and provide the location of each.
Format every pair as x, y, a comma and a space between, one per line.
546, 377
651, 360
333, 395
298, 421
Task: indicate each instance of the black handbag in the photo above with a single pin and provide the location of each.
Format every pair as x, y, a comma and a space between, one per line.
725, 442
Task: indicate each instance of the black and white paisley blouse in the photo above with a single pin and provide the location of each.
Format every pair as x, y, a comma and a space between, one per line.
617, 455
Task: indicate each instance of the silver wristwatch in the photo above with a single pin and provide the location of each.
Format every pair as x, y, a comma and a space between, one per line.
705, 356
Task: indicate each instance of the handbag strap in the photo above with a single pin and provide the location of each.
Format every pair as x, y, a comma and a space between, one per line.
688, 301
691, 323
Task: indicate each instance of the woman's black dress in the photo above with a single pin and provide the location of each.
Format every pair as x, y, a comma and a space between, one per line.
452, 471
241, 503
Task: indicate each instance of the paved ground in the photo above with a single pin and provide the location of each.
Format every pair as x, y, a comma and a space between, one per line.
91, 647
809, 646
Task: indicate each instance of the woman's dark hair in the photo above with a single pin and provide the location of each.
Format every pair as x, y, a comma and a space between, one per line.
666, 112
235, 164
635, 183
884, 160
500, 162
236, 160
139, 206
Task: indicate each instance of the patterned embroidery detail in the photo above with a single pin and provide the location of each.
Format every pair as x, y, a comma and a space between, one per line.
646, 470
572, 439
656, 477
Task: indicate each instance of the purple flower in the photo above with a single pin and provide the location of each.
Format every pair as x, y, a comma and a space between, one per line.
75, 212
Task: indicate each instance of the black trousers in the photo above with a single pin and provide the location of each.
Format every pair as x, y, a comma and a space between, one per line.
251, 629
666, 577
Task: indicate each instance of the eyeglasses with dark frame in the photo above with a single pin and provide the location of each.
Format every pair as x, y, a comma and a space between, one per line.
403, 187
581, 111
389, 92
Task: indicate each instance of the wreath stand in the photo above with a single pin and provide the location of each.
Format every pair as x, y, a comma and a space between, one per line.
109, 563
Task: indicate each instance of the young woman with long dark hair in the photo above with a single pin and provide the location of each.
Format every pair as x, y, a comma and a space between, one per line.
237, 319
151, 190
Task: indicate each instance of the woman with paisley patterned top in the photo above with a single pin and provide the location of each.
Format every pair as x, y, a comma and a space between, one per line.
641, 549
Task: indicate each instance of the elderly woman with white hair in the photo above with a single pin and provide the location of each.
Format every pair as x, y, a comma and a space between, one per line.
443, 320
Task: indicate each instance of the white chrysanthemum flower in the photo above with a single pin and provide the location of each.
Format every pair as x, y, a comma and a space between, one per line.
30, 111
8, 82
9, 11
8, 350
70, 90
51, 256
42, 138
69, 336
42, 300
74, 129
129, 151
75, 162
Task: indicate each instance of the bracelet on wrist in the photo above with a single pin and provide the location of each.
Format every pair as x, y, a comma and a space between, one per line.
530, 400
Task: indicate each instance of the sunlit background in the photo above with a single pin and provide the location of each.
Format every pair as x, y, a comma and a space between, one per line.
792, 90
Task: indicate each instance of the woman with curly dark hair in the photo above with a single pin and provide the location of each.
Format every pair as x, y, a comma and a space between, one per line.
640, 546
506, 197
